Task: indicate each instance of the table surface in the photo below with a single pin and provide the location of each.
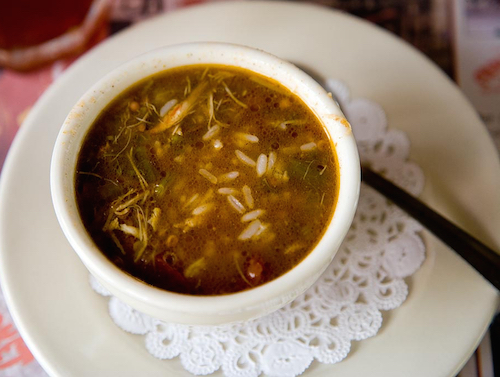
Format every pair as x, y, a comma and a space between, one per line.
18, 93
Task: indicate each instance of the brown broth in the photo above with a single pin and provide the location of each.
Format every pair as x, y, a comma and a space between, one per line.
190, 201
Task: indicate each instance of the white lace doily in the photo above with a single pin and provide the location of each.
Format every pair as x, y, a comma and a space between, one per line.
367, 275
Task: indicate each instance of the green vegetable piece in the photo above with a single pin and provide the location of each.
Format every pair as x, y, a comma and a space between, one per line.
176, 139
306, 171
161, 187
144, 164
110, 190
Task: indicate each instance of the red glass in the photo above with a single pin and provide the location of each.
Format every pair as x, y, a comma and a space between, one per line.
25, 23
37, 32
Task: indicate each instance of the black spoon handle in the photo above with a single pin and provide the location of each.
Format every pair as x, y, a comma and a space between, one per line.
485, 260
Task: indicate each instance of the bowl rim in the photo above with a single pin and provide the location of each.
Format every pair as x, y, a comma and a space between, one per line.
97, 97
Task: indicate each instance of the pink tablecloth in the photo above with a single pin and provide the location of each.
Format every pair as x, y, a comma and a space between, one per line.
18, 93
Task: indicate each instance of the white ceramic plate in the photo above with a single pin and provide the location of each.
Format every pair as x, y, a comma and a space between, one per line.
66, 324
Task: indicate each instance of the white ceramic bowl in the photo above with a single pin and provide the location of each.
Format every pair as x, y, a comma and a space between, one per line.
188, 309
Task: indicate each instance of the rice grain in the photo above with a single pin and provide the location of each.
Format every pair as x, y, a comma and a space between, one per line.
261, 165
262, 229
236, 204
247, 137
212, 132
271, 161
202, 209
308, 147
226, 177
191, 200
244, 158
209, 176
250, 230
227, 191
247, 194
217, 144
250, 216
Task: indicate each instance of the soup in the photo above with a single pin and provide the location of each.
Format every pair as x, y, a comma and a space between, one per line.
206, 180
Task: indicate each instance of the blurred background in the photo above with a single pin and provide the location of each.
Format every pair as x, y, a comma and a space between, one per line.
39, 39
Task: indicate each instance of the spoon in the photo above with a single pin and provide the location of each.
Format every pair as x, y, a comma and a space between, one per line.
485, 260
